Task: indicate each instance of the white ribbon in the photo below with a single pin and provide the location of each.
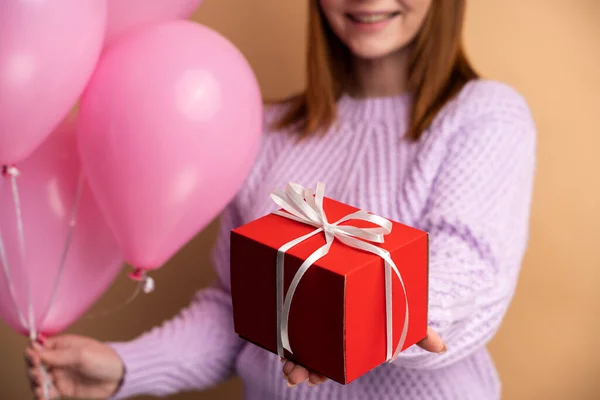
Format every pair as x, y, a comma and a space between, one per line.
305, 206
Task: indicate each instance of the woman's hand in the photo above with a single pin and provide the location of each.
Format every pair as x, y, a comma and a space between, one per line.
296, 374
77, 367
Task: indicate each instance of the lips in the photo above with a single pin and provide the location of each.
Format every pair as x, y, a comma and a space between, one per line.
371, 18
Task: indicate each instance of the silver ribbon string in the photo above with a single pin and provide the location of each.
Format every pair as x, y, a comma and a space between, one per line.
144, 284
11, 173
65, 252
305, 206
29, 324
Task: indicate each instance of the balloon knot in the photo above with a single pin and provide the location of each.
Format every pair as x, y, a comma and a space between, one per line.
9, 170
139, 275
37, 337
41, 339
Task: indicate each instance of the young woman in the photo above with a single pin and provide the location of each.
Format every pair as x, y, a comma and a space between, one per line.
395, 120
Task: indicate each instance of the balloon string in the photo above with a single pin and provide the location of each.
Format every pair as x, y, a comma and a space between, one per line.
137, 290
144, 284
47, 384
47, 380
139, 275
13, 173
7, 273
65, 252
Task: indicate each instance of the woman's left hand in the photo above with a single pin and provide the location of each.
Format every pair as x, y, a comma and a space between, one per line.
295, 374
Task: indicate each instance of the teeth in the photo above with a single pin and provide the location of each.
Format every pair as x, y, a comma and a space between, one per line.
370, 19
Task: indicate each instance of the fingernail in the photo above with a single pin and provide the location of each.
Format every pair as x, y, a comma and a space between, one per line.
311, 384
443, 349
290, 385
282, 359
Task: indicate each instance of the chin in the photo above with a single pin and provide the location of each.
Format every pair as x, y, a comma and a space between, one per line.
366, 51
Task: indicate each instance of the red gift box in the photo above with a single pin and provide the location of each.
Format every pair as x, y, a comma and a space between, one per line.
337, 323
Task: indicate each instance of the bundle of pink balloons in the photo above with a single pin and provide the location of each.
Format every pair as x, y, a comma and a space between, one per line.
166, 130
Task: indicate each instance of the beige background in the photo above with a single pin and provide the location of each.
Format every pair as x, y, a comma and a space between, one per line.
549, 345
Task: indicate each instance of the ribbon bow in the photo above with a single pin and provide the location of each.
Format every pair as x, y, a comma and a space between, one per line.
305, 206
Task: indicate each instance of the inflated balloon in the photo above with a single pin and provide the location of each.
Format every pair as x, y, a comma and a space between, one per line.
48, 50
169, 128
126, 15
59, 256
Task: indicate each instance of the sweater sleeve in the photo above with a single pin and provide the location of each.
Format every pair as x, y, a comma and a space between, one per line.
194, 350
477, 215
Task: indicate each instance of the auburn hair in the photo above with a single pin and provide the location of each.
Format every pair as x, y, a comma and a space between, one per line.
438, 70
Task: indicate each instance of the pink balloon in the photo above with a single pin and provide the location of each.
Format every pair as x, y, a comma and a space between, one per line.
48, 50
48, 185
169, 129
125, 15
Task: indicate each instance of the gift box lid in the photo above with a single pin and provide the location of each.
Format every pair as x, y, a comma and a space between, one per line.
274, 231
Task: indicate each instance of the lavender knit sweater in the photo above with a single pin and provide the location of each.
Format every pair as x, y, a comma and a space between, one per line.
468, 182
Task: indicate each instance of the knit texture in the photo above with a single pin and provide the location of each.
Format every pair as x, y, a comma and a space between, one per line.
467, 181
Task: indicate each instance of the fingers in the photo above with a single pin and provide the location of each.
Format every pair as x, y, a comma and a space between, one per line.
288, 366
433, 342
57, 342
296, 374
39, 381
35, 377
299, 374
32, 360
41, 395
59, 358
32, 357
315, 379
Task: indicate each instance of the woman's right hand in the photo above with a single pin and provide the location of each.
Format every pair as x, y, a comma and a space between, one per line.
77, 366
